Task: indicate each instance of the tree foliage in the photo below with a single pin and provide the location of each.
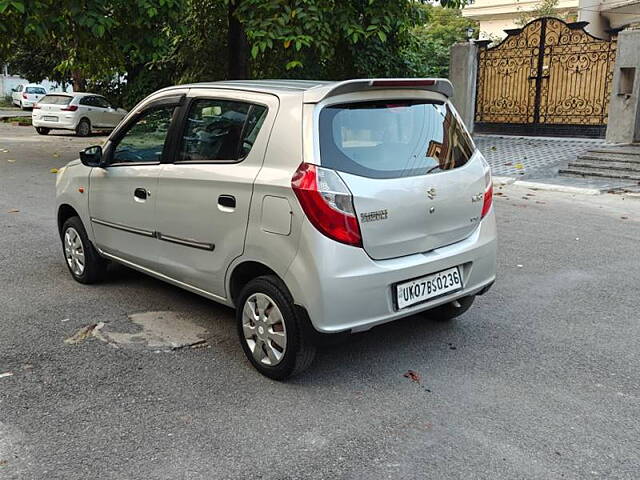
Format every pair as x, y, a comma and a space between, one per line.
544, 8
129, 48
426, 53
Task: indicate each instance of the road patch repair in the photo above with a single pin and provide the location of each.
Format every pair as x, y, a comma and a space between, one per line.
159, 331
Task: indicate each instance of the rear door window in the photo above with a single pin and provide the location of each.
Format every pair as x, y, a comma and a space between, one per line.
220, 130
101, 102
391, 139
55, 100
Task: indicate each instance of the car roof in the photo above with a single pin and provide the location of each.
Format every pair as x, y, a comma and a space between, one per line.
75, 94
314, 91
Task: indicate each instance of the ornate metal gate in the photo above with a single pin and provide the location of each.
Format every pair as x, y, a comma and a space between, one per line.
547, 78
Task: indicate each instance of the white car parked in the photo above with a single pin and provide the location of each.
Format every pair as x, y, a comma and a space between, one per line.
26, 96
82, 112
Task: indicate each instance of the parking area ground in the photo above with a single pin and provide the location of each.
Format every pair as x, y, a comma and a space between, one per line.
539, 380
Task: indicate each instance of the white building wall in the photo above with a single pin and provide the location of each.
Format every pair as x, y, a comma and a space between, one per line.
8, 82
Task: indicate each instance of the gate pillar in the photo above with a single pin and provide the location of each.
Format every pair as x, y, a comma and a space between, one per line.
463, 67
624, 106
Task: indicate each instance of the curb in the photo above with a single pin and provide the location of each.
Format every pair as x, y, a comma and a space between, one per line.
550, 187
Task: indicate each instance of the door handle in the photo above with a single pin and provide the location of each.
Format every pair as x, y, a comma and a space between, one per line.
228, 201
140, 193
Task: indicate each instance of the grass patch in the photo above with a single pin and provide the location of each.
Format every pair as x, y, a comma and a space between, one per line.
22, 121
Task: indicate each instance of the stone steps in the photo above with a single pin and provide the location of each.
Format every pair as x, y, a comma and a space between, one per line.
621, 163
601, 173
597, 163
610, 157
626, 150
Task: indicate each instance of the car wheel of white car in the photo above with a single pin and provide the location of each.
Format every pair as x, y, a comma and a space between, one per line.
270, 331
43, 130
84, 128
22, 106
82, 259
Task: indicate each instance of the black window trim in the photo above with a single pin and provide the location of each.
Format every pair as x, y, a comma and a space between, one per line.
168, 149
182, 123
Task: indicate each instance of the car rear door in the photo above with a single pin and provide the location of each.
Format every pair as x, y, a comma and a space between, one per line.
205, 193
110, 117
415, 176
89, 108
123, 194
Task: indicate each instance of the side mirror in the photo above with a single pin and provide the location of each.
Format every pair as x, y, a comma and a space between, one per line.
91, 156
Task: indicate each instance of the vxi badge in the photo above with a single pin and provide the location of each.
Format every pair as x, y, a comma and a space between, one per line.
374, 216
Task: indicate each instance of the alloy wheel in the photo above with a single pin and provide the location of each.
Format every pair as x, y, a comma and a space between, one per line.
74, 251
264, 329
83, 129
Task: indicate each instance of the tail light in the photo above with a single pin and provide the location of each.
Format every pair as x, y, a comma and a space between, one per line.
24, 95
36, 106
488, 192
70, 108
327, 203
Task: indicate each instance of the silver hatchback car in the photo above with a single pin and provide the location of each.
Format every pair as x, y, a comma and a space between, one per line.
314, 208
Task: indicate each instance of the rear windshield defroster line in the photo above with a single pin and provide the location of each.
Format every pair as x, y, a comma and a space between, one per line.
392, 138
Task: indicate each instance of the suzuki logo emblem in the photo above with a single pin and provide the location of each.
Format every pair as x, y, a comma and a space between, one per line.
431, 193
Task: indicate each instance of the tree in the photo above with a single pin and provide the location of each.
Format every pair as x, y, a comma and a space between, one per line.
426, 54
101, 38
37, 62
129, 48
545, 8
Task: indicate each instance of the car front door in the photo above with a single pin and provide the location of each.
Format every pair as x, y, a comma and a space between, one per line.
205, 194
123, 194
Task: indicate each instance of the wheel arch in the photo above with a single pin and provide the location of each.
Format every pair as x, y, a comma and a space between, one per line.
243, 273
65, 212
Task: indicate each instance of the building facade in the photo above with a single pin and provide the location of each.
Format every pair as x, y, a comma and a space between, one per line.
494, 16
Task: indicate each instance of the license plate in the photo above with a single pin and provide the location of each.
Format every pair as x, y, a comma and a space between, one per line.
50, 119
429, 286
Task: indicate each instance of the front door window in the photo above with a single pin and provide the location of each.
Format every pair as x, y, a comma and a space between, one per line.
145, 140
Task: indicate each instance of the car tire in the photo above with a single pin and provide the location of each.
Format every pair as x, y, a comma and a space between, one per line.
84, 128
449, 311
83, 261
43, 130
22, 106
292, 353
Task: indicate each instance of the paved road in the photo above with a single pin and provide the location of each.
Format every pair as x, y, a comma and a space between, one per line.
540, 380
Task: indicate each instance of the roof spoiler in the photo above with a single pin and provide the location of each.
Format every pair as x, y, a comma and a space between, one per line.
439, 85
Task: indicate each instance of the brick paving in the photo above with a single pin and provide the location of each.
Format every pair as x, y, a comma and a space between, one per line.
530, 157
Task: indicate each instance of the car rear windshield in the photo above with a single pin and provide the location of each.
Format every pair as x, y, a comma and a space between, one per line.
56, 100
391, 139
36, 90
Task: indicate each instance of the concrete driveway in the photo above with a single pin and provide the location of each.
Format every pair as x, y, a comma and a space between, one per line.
539, 380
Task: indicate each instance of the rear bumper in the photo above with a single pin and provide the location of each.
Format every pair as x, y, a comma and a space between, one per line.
63, 123
342, 288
